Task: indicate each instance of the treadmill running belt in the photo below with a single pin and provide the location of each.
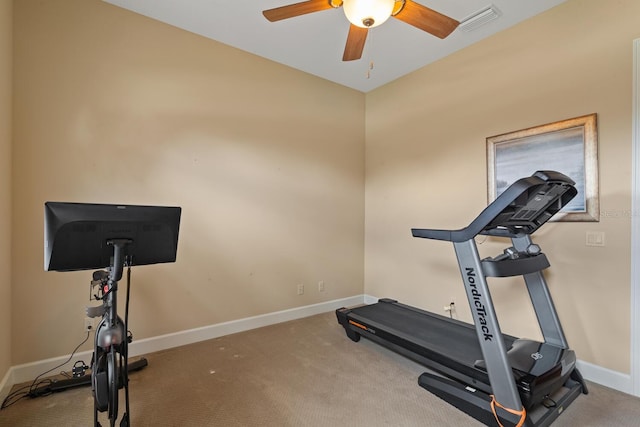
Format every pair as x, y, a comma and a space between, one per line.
434, 333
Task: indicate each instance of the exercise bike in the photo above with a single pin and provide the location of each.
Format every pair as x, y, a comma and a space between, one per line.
86, 236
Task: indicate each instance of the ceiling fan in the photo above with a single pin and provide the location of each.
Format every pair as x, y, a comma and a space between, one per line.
365, 14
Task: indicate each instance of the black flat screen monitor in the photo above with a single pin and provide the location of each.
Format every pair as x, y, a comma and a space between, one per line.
76, 235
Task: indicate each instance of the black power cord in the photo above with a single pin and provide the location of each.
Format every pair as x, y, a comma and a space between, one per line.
32, 390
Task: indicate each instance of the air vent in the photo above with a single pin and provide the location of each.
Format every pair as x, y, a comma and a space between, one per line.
479, 18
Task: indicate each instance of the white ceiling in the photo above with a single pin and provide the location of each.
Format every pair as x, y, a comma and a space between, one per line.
314, 43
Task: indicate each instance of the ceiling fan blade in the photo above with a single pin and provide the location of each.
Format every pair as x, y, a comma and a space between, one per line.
296, 9
355, 43
427, 19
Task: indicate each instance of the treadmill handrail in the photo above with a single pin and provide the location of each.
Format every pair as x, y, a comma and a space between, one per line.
483, 223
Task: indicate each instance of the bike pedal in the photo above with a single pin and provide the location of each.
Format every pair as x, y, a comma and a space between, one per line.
79, 369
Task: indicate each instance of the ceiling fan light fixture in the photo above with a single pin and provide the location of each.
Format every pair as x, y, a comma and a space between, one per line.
367, 13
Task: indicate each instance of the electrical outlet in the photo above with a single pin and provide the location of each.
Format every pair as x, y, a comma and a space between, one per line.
300, 289
321, 286
451, 307
595, 238
88, 324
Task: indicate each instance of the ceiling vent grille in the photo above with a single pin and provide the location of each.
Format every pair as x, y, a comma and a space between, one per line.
479, 18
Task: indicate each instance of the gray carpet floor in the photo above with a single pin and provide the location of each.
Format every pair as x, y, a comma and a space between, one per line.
300, 373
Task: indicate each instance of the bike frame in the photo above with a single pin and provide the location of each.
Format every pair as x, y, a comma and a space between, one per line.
109, 364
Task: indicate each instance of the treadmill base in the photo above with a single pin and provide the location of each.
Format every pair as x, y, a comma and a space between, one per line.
477, 403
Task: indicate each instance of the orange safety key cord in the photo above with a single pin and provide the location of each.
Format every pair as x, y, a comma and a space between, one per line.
522, 413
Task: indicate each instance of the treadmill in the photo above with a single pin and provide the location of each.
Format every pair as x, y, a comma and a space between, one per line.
498, 379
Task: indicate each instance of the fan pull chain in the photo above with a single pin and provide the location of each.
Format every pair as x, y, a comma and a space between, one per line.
370, 49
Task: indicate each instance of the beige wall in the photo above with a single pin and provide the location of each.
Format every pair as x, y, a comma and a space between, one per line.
266, 162
6, 65
426, 167
268, 165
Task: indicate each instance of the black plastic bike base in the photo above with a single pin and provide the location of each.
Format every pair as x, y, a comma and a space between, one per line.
85, 380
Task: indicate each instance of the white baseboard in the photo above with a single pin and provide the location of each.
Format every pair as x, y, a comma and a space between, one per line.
150, 345
368, 299
606, 377
5, 385
29, 371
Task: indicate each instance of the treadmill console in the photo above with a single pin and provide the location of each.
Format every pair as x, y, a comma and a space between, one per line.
521, 209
